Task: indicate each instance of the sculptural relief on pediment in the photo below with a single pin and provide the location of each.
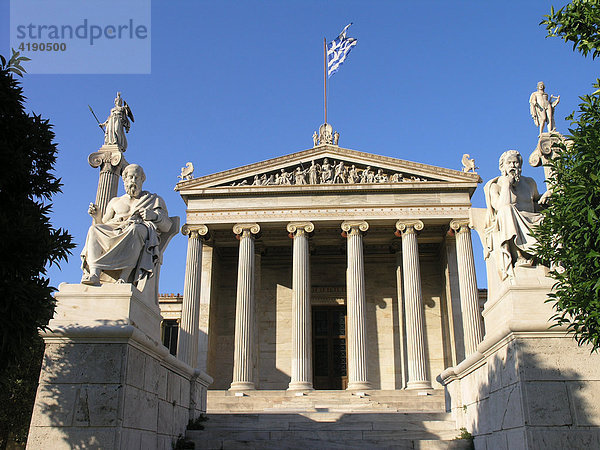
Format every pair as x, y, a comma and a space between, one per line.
327, 171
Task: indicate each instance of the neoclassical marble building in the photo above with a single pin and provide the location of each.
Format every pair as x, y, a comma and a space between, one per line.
329, 268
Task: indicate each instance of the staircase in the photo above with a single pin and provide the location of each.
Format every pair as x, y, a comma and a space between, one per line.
327, 420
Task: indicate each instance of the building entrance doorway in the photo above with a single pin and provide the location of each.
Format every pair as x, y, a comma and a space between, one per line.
329, 347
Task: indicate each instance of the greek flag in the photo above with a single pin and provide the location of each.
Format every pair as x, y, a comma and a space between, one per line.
337, 51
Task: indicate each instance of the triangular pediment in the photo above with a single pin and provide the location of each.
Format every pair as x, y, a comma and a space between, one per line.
328, 164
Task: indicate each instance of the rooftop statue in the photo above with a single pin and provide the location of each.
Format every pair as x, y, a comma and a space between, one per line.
542, 108
512, 209
468, 163
117, 123
126, 239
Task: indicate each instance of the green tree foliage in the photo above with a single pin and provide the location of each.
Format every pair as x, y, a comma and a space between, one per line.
29, 243
569, 237
577, 22
17, 394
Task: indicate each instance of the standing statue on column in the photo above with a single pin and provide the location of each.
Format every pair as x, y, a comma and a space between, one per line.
126, 239
542, 108
118, 123
512, 210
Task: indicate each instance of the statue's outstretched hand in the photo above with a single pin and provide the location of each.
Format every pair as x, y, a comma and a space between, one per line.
94, 212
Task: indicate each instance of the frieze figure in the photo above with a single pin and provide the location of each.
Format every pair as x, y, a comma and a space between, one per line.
542, 108
117, 123
326, 172
512, 211
300, 176
338, 176
353, 175
127, 237
313, 173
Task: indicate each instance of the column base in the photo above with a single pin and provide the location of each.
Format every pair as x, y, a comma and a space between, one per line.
359, 386
300, 386
424, 384
242, 386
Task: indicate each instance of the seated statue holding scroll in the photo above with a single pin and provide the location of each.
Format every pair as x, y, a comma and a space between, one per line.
127, 237
512, 210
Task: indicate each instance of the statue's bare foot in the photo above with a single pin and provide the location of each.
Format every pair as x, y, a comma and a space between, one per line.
121, 281
91, 280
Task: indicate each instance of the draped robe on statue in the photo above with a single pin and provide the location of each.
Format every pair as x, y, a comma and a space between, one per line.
508, 227
126, 240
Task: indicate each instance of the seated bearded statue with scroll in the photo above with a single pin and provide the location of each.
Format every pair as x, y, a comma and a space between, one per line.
125, 242
512, 211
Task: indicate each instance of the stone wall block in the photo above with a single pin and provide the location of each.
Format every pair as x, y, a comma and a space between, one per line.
97, 405
162, 382
165, 417
515, 438
148, 440
547, 403
184, 398
55, 405
152, 375
131, 439
141, 409
562, 438
136, 363
96, 363
584, 398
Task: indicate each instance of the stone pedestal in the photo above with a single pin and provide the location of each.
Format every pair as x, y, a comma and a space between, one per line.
106, 380
528, 386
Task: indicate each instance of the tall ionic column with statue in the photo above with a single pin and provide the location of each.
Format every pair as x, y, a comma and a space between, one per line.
105, 366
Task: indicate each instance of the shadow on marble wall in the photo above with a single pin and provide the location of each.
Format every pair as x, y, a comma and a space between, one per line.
106, 393
535, 393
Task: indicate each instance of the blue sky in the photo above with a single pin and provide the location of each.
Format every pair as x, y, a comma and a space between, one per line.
233, 83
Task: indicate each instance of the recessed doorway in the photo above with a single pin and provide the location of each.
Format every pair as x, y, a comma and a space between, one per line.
329, 347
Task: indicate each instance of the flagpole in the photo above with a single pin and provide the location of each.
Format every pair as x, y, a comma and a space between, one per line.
325, 75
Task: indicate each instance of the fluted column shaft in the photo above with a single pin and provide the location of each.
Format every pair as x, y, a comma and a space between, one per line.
301, 313
357, 329
415, 323
111, 161
469, 294
244, 310
187, 340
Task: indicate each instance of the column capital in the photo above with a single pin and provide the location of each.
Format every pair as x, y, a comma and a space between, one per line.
460, 225
194, 230
409, 226
108, 158
251, 228
355, 226
296, 228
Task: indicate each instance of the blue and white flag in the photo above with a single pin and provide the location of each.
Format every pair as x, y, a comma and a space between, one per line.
337, 51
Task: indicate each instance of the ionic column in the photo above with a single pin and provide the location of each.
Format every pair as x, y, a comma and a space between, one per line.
357, 327
415, 324
469, 295
187, 340
111, 161
244, 309
301, 312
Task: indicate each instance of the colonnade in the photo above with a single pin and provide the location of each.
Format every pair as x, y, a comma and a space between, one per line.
357, 339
